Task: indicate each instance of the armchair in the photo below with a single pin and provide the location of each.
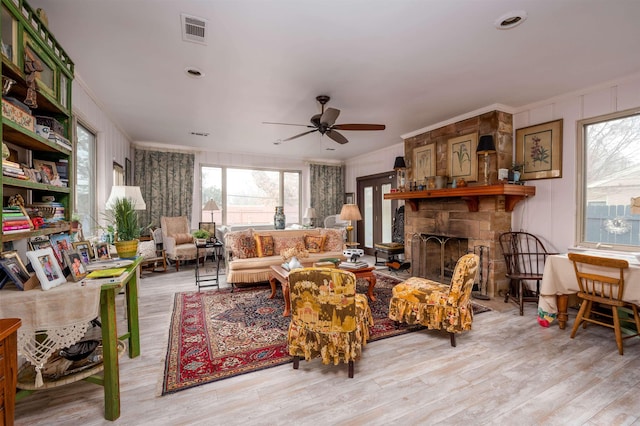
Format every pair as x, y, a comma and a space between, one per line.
437, 306
328, 319
177, 240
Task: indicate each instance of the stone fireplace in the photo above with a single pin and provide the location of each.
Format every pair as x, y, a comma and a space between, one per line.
461, 219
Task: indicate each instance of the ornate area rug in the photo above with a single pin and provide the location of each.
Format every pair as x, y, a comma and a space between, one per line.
218, 334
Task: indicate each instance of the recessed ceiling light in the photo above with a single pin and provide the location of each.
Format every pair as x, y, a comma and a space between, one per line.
194, 72
510, 20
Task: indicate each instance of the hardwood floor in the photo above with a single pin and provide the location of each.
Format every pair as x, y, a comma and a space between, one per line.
507, 370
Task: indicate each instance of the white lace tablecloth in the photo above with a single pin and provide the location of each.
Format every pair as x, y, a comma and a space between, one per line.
51, 320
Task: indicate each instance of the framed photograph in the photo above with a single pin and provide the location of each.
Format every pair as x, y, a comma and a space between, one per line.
462, 161
349, 198
84, 250
48, 170
76, 266
102, 251
47, 268
60, 244
210, 227
13, 255
128, 177
15, 271
38, 243
539, 149
424, 162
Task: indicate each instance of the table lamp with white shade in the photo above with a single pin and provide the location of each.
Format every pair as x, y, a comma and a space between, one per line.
350, 212
133, 193
210, 206
310, 214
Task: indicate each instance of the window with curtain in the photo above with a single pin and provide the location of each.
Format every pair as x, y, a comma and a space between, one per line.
86, 179
609, 186
248, 196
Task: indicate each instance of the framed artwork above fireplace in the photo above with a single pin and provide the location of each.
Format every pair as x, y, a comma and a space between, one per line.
462, 161
424, 162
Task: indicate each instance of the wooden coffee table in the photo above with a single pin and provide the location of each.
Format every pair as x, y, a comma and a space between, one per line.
279, 274
366, 274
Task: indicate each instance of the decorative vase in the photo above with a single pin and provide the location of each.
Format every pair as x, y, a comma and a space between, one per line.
279, 218
126, 249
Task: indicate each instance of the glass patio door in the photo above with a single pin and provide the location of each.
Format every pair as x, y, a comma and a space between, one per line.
377, 213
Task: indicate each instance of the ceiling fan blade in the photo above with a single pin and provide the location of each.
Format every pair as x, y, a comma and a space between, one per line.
301, 134
315, 120
359, 126
329, 116
336, 137
287, 124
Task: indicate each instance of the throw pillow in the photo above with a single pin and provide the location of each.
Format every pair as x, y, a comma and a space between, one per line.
314, 243
183, 238
334, 239
283, 243
241, 244
264, 245
147, 249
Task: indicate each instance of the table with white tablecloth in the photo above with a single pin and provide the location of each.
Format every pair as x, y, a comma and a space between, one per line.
559, 281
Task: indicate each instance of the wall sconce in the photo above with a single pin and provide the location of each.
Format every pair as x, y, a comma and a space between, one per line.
400, 167
486, 147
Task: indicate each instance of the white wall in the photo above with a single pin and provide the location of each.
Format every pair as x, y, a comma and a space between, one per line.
551, 213
112, 143
371, 163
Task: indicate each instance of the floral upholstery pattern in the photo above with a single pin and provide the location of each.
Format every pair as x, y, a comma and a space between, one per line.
284, 243
435, 305
328, 319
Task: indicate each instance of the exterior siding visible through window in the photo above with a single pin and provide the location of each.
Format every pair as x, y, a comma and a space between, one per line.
86, 179
609, 177
247, 196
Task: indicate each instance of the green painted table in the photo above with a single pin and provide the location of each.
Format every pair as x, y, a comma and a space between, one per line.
111, 380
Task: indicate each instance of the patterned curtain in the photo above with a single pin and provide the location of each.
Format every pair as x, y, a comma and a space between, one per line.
327, 190
166, 182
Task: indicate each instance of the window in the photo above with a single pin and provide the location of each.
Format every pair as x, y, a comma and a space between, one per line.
249, 196
86, 179
609, 176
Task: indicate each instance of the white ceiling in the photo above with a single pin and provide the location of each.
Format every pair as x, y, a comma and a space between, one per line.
406, 64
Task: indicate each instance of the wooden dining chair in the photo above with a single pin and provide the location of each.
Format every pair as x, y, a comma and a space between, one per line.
605, 288
524, 256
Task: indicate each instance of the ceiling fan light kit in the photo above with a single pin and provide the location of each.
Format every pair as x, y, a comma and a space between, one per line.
325, 124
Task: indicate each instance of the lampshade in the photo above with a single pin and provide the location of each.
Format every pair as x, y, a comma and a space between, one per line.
399, 163
131, 192
350, 212
210, 205
486, 145
310, 213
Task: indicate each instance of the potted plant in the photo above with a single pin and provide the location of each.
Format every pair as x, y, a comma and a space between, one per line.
514, 173
123, 218
201, 236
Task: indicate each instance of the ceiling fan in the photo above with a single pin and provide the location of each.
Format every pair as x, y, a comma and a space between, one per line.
325, 124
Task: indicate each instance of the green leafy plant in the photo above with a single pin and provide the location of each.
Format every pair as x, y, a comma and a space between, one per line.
123, 218
517, 167
201, 234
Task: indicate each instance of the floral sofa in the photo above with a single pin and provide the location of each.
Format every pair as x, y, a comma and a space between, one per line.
250, 253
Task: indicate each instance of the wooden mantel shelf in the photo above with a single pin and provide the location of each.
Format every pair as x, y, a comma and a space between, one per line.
470, 194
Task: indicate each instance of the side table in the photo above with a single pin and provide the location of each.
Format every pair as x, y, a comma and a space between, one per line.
213, 279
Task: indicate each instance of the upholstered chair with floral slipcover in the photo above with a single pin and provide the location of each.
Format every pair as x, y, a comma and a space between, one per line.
435, 305
177, 239
328, 319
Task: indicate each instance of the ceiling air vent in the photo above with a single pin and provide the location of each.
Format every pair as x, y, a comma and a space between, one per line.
194, 29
